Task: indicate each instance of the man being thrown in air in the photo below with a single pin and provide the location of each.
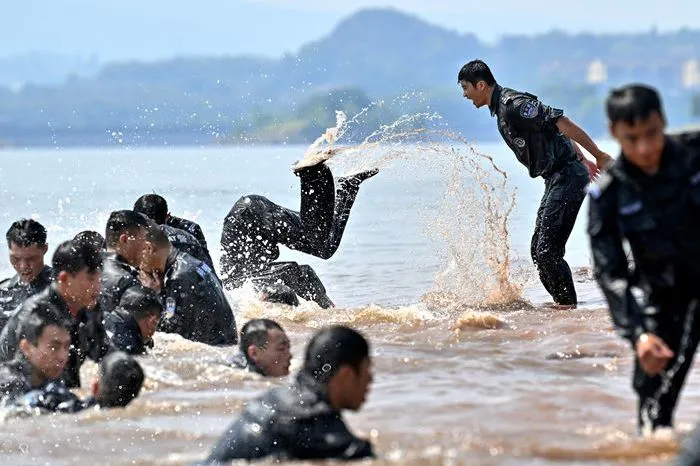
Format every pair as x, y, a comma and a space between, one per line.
256, 226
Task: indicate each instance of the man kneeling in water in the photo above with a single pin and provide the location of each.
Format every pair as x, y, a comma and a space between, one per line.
303, 420
256, 226
264, 349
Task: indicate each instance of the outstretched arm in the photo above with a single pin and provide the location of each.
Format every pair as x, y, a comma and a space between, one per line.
573, 131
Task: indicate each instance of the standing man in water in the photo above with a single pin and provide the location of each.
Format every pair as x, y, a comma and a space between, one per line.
650, 198
544, 140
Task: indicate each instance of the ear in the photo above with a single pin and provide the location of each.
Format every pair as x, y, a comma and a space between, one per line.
62, 277
252, 352
25, 346
123, 238
95, 386
44, 248
611, 129
481, 85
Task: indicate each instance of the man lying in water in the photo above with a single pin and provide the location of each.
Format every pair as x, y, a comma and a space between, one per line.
264, 349
303, 420
256, 226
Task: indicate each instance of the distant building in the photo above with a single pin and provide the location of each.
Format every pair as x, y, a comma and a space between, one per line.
597, 72
691, 74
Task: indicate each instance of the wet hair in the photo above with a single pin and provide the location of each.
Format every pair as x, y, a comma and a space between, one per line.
255, 332
123, 221
121, 379
633, 103
92, 238
332, 348
38, 319
73, 257
26, 232
152, 206
141, 302
157, 236
475, 71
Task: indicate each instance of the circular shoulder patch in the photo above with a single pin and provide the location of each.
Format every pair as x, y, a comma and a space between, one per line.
528, 109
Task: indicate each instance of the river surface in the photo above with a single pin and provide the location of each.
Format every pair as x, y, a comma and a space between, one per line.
460, 378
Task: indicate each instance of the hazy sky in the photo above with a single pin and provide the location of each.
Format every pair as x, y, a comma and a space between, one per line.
148, 29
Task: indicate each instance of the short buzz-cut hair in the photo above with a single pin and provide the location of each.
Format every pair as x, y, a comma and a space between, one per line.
633, 103
475, 71
26, 232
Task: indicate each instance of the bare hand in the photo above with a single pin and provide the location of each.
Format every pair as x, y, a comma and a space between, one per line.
151, 280
603, 160
592, 168
652, 353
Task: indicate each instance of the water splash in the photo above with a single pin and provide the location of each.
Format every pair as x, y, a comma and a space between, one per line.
471, 221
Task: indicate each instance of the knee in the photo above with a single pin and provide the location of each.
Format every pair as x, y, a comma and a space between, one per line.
546, 254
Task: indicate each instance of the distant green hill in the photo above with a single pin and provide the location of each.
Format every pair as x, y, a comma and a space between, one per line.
374, 55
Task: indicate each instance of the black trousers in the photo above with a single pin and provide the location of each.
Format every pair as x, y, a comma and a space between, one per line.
658, 395
255, 227
564, 193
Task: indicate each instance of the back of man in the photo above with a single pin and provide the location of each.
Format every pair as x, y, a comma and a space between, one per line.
193, 293
190, 227
186, 242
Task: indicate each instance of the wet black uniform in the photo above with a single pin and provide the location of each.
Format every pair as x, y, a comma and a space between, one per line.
116, 277
124, 332
190, 227
195, 304
659, 217
294, 422
186, 242
529, 129
255, 227
13, 292
88, 337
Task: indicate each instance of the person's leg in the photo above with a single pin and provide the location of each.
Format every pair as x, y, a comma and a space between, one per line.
561, 204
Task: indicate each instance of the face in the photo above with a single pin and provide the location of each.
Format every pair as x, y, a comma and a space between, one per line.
153, 259
80, 290
50, 355
643, 142
477, 94
27, 261
356, 385
274, 359
148, 326
131, 246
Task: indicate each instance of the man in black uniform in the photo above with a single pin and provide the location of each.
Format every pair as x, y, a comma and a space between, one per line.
26, 242
74, 293
650, 198
42, 354
543, 140
255, 227
195, 304
125, 239
303, 421
155, 207
132, 324
263, 348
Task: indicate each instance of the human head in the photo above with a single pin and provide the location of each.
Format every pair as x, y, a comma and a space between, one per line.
264, 344
26, 243
145, 306
636, 120
125, 235
45, 341
91, 237
338, 357
120, 380
477, 82
156, 250
76, 271
152, 206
